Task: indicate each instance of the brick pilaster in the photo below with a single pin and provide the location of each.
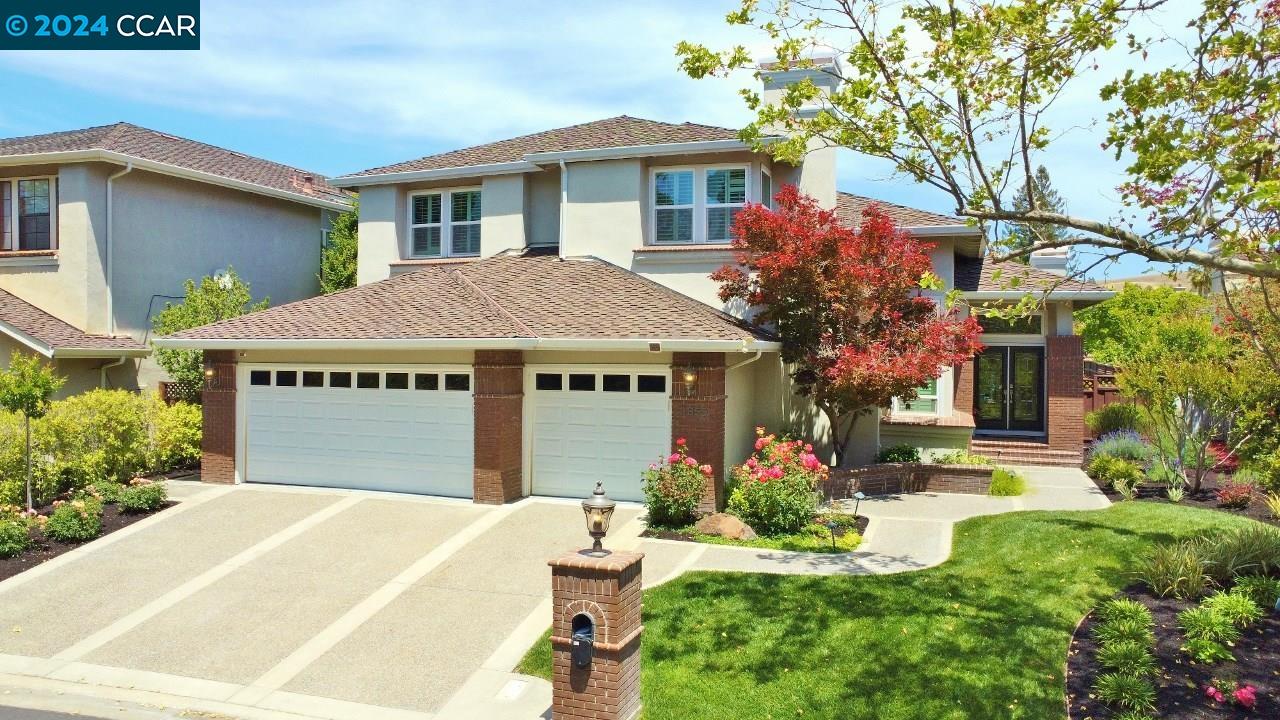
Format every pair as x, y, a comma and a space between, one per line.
499, 401
1064, 366
697, 415
607, 590
218, 441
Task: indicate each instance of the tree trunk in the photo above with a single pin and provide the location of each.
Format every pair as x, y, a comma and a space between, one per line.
30, 505
840, 440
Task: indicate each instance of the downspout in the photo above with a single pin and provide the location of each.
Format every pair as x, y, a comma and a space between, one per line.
102, 371
564, 200
748, 361
111, 266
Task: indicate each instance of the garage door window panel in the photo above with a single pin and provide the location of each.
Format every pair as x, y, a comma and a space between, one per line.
457, 382
367, 381
426, 381
397, 381
549, 381
286, 378
616, 383
339, 379
651, 383
582, 382
260, 377
312, 378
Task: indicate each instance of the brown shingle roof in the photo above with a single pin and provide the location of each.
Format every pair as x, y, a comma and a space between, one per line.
621, 131
849, 208
144, 144
530, 295
980, 275
56, 334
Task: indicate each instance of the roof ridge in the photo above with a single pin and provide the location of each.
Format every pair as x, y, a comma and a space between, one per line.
490, 302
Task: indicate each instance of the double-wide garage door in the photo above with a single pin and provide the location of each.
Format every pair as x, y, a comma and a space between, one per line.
590, 424
398, 429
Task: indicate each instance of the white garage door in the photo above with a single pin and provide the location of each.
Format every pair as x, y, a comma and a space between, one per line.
597, 424
399, 429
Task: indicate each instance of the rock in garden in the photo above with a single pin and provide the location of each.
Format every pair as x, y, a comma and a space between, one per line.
725, 525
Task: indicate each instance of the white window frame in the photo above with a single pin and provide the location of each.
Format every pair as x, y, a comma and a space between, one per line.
763, 199
446, 222
700, 205
11, 215
943, 403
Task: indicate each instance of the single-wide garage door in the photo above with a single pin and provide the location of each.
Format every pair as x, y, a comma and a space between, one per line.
403, 429
594, 424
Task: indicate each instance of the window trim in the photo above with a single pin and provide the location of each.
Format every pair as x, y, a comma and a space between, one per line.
700, 204
764, 200
446, 222
942, 400
11, 214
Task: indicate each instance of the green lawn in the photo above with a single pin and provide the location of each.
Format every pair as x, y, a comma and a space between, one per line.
982, 636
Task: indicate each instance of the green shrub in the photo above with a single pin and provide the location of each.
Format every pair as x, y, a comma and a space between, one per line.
1116, 416
1129, 692
1006, 483
1263, 590
1205, 623
1123, 444
1115, 471
1250, 549
1128, 657
1133, 715
962, 457
1263, 471
903, 453
1207, 652
776, 488
175, 434
75, 521
1237, 607
1117, 609
143, 496
1125, 630
1175, 570
14, 534
105, 491
673, 488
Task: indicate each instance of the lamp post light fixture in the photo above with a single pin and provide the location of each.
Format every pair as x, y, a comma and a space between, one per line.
599, 510
690, 378
858, 497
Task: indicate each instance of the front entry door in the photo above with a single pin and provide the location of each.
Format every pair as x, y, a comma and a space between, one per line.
1009, 389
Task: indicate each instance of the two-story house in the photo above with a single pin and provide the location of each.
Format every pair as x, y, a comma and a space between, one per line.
100, 227
535, 314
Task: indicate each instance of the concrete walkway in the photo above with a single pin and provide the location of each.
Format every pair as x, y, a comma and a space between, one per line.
906, 532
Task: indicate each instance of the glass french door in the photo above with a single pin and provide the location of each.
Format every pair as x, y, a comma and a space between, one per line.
1009, 389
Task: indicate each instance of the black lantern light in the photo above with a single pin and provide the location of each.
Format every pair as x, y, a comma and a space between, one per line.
599, 510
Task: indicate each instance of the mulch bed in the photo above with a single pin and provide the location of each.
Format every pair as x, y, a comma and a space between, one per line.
1180, 684
861, 522
45, 549
1206, 499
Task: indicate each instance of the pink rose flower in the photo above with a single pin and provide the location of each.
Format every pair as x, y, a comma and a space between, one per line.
690, 462
760, 443
706, 470
1246, 696
673, 458
680, 441
752, 462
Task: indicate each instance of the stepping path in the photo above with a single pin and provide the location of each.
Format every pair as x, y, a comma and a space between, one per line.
907, 532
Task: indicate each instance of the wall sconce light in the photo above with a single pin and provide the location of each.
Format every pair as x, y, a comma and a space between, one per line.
690, 378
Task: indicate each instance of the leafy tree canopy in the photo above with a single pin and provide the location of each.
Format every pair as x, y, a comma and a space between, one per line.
957, 96
338, 257
1140, 321
215, 298
847, 305
28, 385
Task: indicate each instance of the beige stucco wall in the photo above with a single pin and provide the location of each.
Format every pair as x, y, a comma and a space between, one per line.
930, 441
542, 207
501, 214
381, 227
604, 215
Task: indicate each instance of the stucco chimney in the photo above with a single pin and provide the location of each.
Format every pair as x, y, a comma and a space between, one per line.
1052, 260
817, 177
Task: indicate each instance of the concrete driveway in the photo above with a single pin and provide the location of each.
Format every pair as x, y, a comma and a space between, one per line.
274, 602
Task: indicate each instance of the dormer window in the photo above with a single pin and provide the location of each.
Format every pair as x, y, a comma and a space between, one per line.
435, 233
697, 205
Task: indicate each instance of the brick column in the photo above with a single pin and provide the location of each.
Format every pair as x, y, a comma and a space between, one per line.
607, 591
1064, 370
499, 402
697, 415
962, 389
218, 406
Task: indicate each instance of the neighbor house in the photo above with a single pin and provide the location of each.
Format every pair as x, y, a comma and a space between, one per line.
101, 226
535, 314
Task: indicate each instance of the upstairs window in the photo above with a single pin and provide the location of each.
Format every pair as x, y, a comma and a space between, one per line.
28, 214
697, 205
1020, 325
434, 233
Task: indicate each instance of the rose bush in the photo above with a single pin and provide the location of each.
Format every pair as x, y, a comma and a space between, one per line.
775, 490
673, 488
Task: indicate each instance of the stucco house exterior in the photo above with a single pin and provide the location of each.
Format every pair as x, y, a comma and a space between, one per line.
535, 314
101, 226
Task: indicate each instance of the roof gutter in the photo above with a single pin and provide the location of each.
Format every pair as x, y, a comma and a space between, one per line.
110, 257
941, 230
615, 344
41, 347
449, 173
630, 151
111, 156
1083, 295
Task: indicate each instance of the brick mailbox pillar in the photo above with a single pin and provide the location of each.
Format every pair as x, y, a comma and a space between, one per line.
605, 592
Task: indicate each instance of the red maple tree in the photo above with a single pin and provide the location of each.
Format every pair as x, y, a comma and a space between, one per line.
846, 304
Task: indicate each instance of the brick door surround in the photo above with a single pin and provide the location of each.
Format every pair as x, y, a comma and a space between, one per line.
499, 433
698, 416
218, 411
1064, 374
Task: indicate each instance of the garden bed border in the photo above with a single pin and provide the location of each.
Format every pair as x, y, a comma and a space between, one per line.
895, 478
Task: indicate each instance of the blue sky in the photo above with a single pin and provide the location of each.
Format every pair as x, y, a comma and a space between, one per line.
336, 87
